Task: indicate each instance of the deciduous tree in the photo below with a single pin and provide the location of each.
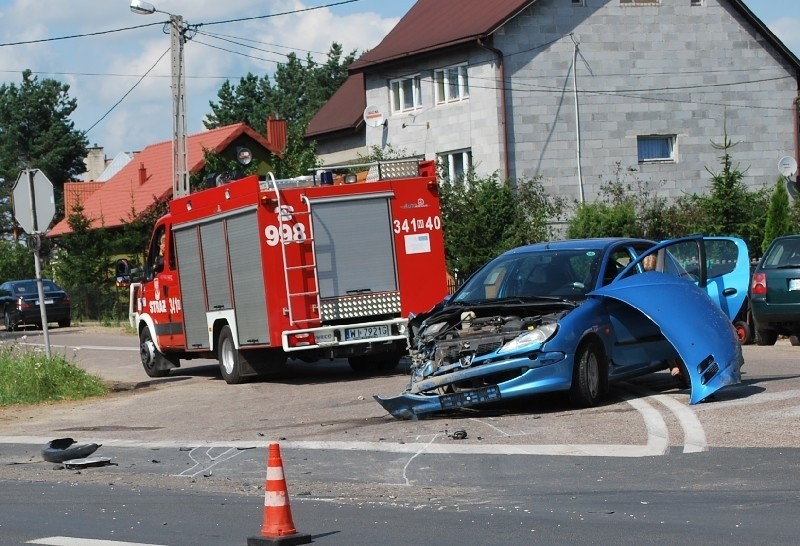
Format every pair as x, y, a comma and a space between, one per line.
16, 261
300, 88
36, 132
84, 265
482, 218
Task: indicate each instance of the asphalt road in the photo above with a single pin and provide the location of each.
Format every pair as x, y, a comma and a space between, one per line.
644, 464
325, 405
511, 500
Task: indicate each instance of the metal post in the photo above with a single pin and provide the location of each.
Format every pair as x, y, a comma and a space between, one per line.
577, 115
37, 261
180, 163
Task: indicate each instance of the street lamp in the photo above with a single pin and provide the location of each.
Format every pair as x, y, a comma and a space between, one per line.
180, 159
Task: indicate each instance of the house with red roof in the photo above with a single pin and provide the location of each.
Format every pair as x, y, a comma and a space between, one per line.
573, 92
147, 178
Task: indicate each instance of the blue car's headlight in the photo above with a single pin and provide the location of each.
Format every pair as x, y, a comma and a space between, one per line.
531, 337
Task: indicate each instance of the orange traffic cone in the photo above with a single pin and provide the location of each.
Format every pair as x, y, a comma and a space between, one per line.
278, 527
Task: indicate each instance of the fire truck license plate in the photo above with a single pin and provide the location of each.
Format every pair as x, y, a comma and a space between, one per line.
366, 333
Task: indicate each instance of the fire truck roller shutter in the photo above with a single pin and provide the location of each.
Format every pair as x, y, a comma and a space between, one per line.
249, 298
354, 244
187, 244
215, 265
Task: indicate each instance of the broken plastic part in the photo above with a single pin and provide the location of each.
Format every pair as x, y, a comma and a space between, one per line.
63, 449
87, 462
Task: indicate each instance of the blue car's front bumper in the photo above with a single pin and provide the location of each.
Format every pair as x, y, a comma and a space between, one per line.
545, 372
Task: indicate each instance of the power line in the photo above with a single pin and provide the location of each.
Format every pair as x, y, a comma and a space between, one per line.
221, 36
283, 55
98, 33
238, 44
676, 88
235, 52
112, 31
115, 75
128, 92
279, 14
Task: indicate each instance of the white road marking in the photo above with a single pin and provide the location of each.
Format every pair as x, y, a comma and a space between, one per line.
657, 440
490, 425
657, 432
201, 467
414, 456
73, 541
84, 347
694, 435
656, 445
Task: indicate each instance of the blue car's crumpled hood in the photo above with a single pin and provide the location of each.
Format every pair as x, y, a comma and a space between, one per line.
690, 320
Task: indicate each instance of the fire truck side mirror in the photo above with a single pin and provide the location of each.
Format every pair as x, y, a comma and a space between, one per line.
122, 272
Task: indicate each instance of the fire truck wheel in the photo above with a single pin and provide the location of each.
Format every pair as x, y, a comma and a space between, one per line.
230, 364
155, 364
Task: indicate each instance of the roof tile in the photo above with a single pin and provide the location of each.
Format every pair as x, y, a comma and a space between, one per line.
112, 204
434, 24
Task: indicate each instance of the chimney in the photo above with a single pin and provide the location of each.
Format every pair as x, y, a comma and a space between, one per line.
142, 174
276, 135
95, 163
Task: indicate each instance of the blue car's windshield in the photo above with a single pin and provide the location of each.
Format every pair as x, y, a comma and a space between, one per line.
569, 274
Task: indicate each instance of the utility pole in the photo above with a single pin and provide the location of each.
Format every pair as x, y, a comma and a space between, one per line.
180, 155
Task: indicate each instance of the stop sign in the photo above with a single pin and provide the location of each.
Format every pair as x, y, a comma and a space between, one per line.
34, 201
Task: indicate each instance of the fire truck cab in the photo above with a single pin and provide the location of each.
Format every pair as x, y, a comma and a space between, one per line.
254, 271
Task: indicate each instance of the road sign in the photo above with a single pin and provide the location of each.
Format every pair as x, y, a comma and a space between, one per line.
34, 201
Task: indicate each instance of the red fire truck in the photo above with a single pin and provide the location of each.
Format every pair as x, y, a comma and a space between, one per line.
254, 271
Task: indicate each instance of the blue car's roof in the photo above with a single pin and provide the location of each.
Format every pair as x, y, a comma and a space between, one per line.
597, 243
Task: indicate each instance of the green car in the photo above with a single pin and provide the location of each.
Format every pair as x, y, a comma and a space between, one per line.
775, 291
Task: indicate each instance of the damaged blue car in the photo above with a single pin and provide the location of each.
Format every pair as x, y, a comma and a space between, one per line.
576, 316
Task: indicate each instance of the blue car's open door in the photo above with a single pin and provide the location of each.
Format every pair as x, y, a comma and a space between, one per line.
694, 321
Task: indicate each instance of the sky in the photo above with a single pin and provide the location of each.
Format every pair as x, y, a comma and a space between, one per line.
123, 89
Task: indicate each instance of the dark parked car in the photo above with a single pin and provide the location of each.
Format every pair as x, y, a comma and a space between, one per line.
575, 316
19, 301
775, 291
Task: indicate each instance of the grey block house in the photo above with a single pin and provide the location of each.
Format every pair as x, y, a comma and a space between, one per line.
572, 90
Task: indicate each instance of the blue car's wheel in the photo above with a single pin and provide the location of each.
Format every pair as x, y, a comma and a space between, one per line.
587, 377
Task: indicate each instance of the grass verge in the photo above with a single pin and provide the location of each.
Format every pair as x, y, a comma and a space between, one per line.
28, 377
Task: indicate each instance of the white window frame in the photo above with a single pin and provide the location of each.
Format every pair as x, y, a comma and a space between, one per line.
578, 2
398, 94
671, 142
451, 159
448, 91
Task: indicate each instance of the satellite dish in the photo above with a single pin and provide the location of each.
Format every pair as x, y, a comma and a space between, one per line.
373, 116
244, 155
787, 166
